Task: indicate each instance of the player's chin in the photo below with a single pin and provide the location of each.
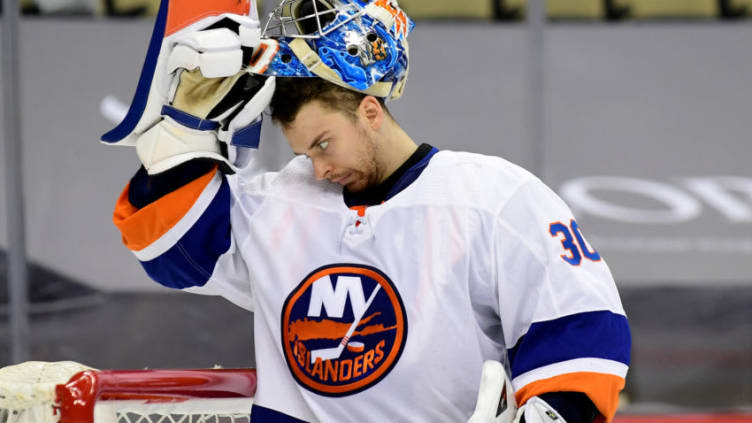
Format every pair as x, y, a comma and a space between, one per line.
357, 185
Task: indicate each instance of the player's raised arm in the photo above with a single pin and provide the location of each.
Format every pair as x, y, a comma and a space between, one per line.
566, 332
197, 104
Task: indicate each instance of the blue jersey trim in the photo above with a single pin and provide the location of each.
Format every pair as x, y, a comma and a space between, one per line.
249, 136
190, 262
400, 179
144, 82
596, 334
267, 415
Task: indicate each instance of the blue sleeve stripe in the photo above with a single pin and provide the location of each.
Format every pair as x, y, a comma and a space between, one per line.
267, 415
596, 334
190, 262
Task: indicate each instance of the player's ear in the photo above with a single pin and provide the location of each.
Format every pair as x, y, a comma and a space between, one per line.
370, 109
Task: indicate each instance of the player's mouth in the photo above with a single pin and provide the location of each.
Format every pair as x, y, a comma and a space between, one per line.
343, 179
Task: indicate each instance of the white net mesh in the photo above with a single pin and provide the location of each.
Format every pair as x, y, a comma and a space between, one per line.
236, 410
180, 418
215, 410
27, 395
27, 390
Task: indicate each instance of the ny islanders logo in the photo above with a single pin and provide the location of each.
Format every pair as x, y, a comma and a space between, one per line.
343, 329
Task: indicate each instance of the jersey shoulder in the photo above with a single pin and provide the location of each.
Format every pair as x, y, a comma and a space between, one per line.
473, 180
294, 183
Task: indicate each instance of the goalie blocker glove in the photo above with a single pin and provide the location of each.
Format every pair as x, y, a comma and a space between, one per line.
536, 410
194, 91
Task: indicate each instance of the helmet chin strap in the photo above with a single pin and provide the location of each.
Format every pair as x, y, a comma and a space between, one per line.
313, 62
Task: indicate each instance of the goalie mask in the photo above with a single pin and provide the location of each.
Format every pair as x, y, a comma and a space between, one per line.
357, 44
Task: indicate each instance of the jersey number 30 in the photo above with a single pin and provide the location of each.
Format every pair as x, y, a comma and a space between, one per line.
572, 241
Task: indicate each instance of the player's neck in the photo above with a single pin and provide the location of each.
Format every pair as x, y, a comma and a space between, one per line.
394, 149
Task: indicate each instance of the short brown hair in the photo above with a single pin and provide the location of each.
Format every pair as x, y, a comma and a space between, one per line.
293, 93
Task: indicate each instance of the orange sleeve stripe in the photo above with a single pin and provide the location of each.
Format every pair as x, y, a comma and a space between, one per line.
140, 228
603, 389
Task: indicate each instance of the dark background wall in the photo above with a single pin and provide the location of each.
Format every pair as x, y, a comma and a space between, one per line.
661, 103
647, 129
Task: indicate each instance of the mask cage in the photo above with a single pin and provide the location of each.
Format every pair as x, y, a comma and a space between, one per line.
309, 19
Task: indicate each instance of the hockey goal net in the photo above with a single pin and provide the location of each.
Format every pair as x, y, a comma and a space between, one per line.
68, 392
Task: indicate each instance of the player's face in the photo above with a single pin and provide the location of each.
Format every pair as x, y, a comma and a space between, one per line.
343, 150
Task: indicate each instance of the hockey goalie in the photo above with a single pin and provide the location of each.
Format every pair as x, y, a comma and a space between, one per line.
382, 272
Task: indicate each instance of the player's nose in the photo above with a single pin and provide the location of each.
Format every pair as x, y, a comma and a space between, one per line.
321, 169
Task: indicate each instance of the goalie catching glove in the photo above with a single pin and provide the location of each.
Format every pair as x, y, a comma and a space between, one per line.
203, 112
194, 98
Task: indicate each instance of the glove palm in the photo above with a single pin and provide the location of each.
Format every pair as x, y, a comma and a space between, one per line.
209, 102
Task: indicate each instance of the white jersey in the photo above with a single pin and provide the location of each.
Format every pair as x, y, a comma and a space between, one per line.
386, 313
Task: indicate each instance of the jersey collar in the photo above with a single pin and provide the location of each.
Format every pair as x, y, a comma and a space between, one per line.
396, 182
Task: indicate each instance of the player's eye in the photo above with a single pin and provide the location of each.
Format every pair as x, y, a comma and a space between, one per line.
323, 145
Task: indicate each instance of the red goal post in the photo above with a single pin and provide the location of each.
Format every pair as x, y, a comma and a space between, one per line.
67, 392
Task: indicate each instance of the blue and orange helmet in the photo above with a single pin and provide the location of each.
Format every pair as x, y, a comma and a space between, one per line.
358, 44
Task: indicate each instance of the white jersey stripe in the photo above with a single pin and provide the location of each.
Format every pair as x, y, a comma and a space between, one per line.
594, 365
